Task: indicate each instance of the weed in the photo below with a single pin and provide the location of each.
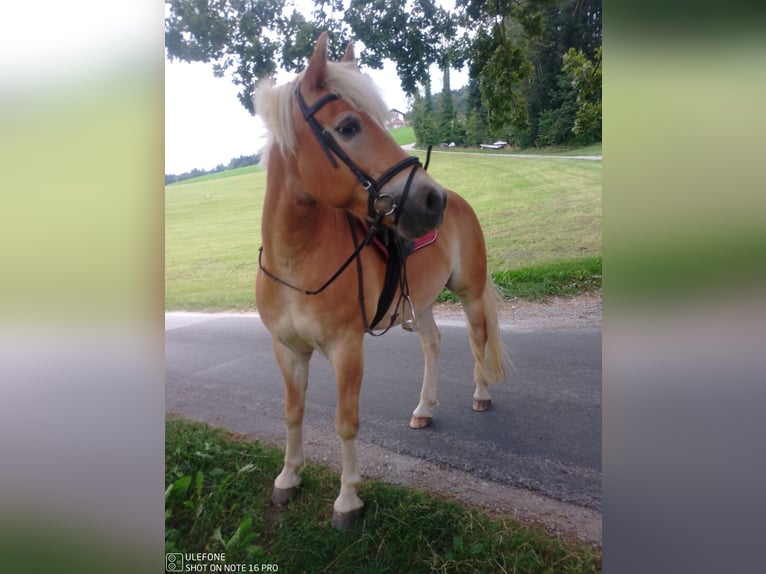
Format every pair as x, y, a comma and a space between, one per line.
217, 501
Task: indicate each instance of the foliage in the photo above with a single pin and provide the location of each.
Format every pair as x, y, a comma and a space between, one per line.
423, 31
538, 282
514, 48
476, 125
476, 130
554, 126
448, 131
503, 69
232, 35
562, 278
586, 80
217, 499
424, 119
251, 39
550, 98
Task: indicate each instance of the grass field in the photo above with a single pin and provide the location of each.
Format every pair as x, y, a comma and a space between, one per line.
403, 135
217, 500
221, 174
534, 212
212, 234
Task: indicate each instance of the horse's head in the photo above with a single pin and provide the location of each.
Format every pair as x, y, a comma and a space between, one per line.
345, 155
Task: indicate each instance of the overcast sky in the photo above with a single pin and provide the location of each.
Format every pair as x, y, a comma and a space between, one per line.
205, 125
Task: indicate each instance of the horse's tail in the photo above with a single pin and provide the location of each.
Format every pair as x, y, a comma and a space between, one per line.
496, 358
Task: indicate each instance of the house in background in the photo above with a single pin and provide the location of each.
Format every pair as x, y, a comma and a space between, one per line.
395, 119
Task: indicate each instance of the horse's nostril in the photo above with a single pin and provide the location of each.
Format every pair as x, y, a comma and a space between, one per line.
436, 200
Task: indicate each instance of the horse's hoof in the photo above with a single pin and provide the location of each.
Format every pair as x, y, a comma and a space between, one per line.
345, 520
282, 496
482, 405
419, 422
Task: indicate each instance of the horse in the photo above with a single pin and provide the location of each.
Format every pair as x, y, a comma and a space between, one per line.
333, 171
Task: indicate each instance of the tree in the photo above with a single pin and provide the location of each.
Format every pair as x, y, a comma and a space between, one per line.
423, 121
250, 38
585, 79
499, 60
232, 34
447, 120
412, 33
551, 101
521, 92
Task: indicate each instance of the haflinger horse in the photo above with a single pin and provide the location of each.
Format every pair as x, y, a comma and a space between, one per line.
333, 172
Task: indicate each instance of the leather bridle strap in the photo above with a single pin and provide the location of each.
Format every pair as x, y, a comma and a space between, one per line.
380, 205
330, 146
357, 248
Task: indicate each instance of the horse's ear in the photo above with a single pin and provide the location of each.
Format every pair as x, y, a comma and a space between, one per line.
349, 55
315, 74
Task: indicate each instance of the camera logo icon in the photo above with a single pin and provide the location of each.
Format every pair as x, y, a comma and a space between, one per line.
174, 562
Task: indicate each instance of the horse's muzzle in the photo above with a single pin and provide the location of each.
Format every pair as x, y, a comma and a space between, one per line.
423, 211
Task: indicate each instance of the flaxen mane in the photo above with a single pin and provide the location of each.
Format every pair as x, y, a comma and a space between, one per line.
275, 106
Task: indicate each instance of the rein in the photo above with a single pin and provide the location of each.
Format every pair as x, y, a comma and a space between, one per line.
365, 242
379, 206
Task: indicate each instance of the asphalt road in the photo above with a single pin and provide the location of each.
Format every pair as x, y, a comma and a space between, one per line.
542, 433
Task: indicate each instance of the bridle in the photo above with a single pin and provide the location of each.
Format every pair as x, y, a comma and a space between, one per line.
379, 206
377, 202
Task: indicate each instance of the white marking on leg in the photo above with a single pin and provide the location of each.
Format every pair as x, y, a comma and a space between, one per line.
430, 340
350, 479
294, 367
294, 459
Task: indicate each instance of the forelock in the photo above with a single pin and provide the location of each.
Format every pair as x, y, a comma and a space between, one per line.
274, 103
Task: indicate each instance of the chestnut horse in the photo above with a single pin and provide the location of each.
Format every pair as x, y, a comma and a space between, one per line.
311, 297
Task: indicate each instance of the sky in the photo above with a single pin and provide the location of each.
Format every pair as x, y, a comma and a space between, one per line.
205, 124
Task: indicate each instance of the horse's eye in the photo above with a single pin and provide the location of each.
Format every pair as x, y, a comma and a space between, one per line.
349, 128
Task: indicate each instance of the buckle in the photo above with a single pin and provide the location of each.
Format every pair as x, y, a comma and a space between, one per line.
388, 204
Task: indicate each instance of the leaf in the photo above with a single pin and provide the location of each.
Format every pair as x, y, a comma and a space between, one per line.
181, 485
198, 483
218, 537
457, 544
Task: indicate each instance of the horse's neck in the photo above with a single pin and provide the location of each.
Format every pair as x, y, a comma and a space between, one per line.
293, 223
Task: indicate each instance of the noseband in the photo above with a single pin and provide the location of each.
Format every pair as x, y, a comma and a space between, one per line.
378, 203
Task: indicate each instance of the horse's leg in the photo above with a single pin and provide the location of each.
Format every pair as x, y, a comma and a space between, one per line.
347, 358
430, 339
479, 301
477, 334
295, 370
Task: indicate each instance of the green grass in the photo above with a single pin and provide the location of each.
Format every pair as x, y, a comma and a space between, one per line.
221, 174
538, 282
217, 500
533, 212
212, 234
560, 279
594, 149
403, 135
